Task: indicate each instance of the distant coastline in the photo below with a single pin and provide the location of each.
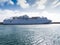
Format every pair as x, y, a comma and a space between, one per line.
55, 23
1, 23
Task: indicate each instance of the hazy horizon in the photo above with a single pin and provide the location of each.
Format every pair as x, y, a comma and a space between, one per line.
45, 8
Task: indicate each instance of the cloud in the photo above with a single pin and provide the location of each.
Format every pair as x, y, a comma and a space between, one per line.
55, 3
52, 16
23, 3
58, 4
2, 2
10, 13
10, 2
40, 4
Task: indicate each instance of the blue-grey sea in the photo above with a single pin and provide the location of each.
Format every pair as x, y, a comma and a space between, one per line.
47, 34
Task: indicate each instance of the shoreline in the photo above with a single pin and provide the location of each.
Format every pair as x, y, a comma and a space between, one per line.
1, 23
55, 23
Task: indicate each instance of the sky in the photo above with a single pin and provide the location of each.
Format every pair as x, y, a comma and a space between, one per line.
42, 8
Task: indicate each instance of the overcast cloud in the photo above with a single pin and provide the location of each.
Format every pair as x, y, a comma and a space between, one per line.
40, 6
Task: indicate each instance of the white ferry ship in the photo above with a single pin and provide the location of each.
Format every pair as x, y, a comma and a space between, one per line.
22, 20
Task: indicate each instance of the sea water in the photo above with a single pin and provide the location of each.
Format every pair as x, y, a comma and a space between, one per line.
47, 34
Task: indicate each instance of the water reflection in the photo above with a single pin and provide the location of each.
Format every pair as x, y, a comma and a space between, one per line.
29, 35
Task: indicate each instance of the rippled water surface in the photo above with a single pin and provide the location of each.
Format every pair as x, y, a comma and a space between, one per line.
30, 34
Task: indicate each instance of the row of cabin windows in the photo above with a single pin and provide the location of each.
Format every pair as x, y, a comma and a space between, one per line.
30, 18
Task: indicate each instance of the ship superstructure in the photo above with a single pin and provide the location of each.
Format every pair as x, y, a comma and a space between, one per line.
27, 20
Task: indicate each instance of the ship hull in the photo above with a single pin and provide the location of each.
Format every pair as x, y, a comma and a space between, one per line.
26, 22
